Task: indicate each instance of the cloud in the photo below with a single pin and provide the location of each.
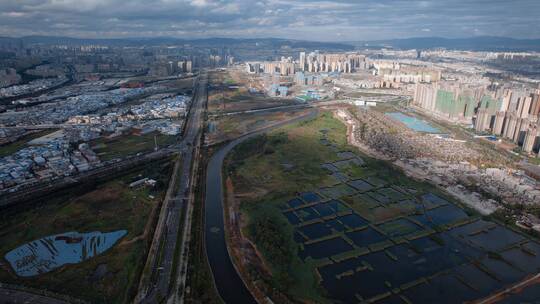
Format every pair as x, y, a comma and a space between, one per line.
13, 14
296, 19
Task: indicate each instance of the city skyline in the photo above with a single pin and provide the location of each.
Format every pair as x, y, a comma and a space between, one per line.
342, 20
269, 151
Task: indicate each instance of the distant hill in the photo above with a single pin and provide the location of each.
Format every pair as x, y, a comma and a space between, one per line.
210, 42
483, 43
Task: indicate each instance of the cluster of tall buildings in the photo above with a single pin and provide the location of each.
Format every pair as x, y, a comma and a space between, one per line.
514, 56
308, 79
344, 63
451, 100
273, 85
516, 117
170, 68
308, 70
284, 67
314, 62
513, 114
409, 75
184, 66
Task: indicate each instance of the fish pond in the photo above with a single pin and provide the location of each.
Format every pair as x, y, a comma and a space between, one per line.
377, 236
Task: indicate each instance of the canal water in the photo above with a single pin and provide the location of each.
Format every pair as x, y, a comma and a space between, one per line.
50, 252
229, 284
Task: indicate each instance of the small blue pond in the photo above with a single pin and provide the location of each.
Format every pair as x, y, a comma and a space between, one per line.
295, 203
48, 253
414, 123
310, 197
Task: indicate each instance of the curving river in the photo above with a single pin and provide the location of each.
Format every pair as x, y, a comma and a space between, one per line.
228, 282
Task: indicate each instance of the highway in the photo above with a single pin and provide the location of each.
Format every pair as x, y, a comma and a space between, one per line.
163, 266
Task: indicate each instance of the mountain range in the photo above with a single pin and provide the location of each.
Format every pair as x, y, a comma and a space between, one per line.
481, 43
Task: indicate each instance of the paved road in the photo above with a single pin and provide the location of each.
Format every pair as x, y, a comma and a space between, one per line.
164, 266
8, 296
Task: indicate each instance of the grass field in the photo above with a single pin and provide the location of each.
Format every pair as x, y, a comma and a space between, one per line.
228, 127
126, 145
106, 207
269, 170
261, 169
234, 100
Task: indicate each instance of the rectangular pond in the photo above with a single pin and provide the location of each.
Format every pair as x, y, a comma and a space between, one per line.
441, 289
337, 191
490, 237
413, 123
361, 185
365, 237
310, 197
325, 248
376, 237
399, 227
344, 282
315, 231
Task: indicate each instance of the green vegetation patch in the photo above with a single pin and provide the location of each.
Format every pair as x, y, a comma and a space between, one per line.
111, 277
264, 185
127, 145
268, 228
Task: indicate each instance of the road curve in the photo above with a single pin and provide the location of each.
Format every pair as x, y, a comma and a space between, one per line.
230, 286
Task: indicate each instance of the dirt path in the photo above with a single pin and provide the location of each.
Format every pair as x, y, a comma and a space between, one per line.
515, 289
347, 119
244, 252
147, 228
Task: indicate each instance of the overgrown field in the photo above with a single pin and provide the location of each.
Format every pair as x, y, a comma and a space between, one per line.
333, 224
229, 94
106, 207
229, 127
127, 145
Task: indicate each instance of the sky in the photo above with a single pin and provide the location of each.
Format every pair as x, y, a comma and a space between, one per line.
318, 20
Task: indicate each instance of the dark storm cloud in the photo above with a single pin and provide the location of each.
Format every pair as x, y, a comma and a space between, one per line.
299, 19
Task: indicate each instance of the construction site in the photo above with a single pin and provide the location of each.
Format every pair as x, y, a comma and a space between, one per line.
480, 176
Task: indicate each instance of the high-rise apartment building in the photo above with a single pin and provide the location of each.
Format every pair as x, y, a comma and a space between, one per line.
302, 61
